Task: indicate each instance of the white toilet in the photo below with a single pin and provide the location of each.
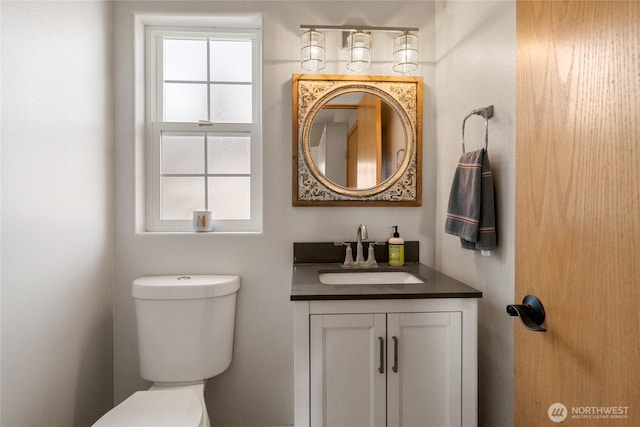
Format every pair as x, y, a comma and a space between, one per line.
185, 335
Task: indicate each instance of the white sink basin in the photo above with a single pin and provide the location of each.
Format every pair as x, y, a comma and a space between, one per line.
368, 278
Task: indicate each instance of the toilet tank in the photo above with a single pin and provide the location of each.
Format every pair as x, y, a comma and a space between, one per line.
185, 325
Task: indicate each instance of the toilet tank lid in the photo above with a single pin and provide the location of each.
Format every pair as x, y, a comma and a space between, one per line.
187, 286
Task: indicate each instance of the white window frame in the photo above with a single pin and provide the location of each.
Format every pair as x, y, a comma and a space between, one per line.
154, 126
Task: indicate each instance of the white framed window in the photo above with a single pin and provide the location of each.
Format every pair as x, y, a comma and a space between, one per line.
203, 127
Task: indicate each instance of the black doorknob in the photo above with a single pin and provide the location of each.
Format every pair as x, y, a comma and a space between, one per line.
531, 313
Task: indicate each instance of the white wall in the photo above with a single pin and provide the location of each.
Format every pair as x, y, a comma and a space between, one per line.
336, 145
258, 387
475, 68
57, 244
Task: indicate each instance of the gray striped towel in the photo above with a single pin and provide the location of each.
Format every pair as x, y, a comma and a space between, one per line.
471, 211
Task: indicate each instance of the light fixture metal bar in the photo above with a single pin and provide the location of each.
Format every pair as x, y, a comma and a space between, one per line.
357, 28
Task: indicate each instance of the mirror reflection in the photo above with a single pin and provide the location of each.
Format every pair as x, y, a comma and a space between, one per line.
357, 140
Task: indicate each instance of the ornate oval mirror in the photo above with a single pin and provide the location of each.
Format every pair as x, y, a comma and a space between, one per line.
357, 140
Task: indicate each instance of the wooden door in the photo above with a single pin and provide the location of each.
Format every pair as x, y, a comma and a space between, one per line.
369, 141
578, 212
348, 374
424, 370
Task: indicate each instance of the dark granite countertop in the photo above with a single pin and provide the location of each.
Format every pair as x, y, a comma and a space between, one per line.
305, 284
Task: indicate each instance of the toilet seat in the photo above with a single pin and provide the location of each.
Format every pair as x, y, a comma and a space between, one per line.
156, 408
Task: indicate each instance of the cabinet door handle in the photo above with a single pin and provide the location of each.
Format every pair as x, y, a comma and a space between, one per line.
395, 354
381, 367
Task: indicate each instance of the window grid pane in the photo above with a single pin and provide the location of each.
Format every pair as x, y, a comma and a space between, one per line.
185, 102
185, 59
230, 197
229, 154
228, 103
205, 76
230, 60
205, 171
207, 79
181, 196
182, 153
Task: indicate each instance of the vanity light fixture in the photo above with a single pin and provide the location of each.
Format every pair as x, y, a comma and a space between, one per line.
359, 51
405, 47
313, 51
405, 53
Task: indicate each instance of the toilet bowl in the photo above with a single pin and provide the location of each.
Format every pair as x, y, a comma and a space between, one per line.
175, 407
185, 336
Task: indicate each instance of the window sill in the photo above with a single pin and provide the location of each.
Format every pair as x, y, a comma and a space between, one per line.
199, 233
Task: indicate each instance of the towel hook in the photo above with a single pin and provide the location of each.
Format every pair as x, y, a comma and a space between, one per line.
487, 113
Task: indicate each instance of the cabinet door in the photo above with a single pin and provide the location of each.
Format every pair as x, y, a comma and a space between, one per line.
425, 369
347, 385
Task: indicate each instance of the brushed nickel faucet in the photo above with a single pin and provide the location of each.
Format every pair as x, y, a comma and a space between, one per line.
359, 262
362, 234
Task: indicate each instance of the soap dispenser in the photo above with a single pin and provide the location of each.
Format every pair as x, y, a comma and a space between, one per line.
396, 249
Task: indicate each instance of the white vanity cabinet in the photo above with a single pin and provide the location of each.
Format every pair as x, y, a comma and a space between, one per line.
386, 362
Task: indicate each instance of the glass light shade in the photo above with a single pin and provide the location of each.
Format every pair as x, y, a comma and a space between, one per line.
312, 52
405, 53
359, 51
